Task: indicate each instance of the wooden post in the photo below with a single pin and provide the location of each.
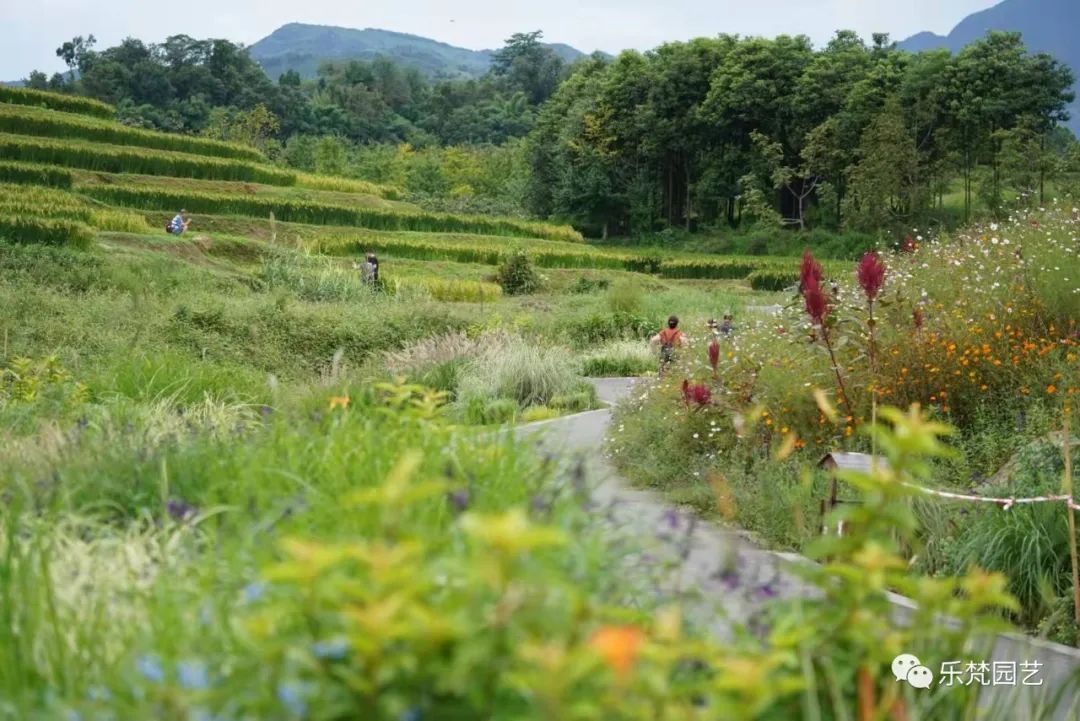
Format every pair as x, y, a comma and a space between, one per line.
1068, 485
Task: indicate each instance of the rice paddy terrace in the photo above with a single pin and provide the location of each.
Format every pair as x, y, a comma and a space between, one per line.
69, 173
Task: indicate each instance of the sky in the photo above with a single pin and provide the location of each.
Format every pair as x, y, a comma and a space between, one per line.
31, 30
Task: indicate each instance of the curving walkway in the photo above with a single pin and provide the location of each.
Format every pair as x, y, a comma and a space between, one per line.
724, 579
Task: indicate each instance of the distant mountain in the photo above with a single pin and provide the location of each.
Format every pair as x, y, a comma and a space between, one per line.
1048, 26
304, 48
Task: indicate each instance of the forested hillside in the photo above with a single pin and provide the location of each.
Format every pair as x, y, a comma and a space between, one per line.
1046, 26
741, 138
304, 48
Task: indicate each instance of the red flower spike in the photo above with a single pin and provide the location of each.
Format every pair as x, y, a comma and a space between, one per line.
817, 303
871, 275
714, 355
917, 317
698, 394
809, 271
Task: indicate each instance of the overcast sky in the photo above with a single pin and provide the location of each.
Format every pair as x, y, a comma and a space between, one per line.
30, 30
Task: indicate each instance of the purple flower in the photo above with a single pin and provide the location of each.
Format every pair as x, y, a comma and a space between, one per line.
539, 504
459, 500
729, 577
265, 411
767, 591
672, 518
180, 511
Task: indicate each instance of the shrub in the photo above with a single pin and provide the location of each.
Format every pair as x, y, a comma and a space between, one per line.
35, 174
585, 284
517, 276
124, 159
53, 124
56, 101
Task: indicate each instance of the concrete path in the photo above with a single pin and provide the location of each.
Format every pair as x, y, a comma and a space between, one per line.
725, 576
723, 579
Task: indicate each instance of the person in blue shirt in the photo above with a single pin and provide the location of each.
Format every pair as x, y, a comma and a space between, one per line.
179, 224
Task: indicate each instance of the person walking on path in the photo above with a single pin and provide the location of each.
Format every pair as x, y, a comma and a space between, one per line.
669, 338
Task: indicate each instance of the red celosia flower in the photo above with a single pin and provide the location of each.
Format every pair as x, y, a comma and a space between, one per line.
698, 394
817, 303
871, 274
809, 271
714, 355
909, 245
917, 317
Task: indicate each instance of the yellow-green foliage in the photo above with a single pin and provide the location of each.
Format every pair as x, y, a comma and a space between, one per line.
347, 185
452, 291
35, 174
56, 101
300, 211
122, 159
55, 124
19, 201
26, 380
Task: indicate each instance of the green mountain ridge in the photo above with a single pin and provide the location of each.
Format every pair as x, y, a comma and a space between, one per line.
303, 48
1046, 25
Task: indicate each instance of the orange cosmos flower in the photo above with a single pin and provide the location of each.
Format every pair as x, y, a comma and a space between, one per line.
339, 402
618, 646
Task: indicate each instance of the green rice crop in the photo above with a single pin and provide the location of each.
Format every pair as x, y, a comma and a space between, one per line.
300, 211
348, 185
35, 174
39, 202
55, 124
56, 101
45, 231
450, 291
773, 279
122, 159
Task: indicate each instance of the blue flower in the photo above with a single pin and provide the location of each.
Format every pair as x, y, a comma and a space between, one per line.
333, 650
98, 693
192, 675
291, 695
411, 714
201, 714
253, 591
73, 715
150, 667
